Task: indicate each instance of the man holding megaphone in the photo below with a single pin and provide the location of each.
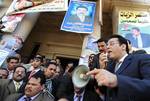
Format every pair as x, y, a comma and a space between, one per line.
127, 77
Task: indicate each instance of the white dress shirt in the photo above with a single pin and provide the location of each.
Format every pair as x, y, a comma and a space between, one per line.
17, 84
76, 96
32, 98
119, 63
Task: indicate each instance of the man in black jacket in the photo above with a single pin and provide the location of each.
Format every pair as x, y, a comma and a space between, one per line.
101, 43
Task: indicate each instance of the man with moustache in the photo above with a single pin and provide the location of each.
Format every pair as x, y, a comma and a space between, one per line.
101, 43
33, 91
127, 77
14, 85
11, 63
51, 83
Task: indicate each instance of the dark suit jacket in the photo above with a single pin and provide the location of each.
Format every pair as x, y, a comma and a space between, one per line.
41, 97
88, 96
145, 40
133, 79
40, 72
7, 87
96, 61
65, 87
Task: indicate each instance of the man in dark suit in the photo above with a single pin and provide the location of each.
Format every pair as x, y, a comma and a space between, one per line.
138, 39
15, 85
51, 82
101, 43
82, 94
80, 16
12, 61
132, 50
33, 91
128, 76
35, 68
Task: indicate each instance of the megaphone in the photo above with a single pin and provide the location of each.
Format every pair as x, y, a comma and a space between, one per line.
79, 77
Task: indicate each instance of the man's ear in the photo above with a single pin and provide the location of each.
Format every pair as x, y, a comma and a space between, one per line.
123, 46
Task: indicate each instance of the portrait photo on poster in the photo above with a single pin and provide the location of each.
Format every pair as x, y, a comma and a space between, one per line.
79, 17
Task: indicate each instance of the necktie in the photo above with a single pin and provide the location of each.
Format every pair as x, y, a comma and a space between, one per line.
17, 86
27, 99
49, 85
31, 74
136, 42
79, 98
117, 66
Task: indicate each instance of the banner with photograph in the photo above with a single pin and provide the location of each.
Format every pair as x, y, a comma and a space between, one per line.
3, 56
80, 17
8, 23
135, 26
90, 48
9, 45
30, 6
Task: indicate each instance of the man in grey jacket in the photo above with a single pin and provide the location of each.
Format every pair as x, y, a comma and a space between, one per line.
33, 91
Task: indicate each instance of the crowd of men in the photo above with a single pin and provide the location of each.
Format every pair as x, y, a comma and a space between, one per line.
119, 75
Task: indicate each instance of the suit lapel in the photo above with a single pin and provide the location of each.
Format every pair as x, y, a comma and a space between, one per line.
124, 65
11, 87
22, 87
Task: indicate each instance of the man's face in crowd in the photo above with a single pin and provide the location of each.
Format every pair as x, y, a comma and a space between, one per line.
36, 63
33, 87
115, 50
50, 71
102, 47
12, 63
3, 74
19, 74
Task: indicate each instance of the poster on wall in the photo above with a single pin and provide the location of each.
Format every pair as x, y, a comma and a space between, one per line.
8, 23
90, 48
80, 17
11, 43
3, 56
30, 6
135, 26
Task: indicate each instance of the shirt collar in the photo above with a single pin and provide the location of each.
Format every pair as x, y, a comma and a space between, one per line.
21, 82
80, 94
33, 97
137, 36
122, 59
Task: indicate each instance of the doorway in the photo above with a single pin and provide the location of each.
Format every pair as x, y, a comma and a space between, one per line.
65, 60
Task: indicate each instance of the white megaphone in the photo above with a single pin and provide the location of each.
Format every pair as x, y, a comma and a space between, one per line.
79, 77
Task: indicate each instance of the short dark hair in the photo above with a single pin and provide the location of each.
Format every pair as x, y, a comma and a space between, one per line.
50, 63
128, 41
136, 28
12, 57
38, 58
81, 6
5, 70
41, 76
101, 40
21, 67
121, 40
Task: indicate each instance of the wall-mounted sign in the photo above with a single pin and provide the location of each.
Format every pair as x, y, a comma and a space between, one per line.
79, 17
